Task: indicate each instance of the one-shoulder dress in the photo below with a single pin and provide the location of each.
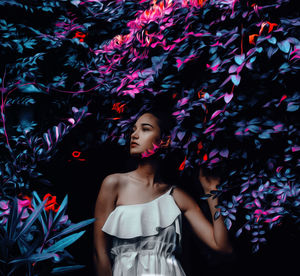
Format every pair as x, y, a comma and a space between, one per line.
146, 237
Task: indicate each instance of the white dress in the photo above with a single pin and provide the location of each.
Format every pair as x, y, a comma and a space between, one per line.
145, 237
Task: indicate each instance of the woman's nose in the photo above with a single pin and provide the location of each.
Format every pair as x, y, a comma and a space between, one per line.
134, 134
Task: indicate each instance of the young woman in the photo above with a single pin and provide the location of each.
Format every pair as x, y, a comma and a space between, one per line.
138, 216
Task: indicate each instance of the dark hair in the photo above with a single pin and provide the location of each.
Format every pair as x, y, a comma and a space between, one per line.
165, 120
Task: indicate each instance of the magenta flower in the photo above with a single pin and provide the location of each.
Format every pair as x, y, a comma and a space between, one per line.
150, 152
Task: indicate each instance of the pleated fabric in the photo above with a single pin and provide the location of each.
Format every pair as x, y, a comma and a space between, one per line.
146, 237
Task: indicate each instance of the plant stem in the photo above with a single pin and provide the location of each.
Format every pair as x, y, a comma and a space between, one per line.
3, 89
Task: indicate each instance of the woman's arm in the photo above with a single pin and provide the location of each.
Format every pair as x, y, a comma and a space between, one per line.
220, 231
104, 206
214, 235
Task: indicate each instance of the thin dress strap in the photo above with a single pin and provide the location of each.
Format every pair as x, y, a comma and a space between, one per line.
171, 189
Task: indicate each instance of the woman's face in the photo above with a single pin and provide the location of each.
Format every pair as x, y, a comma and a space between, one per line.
145, 133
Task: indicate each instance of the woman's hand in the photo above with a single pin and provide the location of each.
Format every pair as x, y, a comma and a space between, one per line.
208, 182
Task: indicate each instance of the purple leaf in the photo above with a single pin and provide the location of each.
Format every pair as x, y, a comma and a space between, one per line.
180, 135
232, 69
224, 153
213, 153
227, 223
215, 160
238, 232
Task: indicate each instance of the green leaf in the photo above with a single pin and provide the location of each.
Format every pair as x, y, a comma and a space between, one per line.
61, 211
227, 223
31, 219
33, 258
64, 269
43, 217
217, 215
284, 46
272, 40
12, 219
62, 244
73, 227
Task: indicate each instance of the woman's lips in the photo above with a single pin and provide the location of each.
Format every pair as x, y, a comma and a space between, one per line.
133, 144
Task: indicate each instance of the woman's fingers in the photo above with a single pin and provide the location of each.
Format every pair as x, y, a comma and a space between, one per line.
208, 181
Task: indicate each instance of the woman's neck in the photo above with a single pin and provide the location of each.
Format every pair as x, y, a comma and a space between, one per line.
146, 170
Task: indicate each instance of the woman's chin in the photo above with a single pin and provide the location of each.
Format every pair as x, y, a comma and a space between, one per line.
135, 154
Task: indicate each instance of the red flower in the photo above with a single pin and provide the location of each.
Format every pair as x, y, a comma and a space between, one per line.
200, 146
51, 203
271, 26
267, 23
80, 35
119, 108
182, 165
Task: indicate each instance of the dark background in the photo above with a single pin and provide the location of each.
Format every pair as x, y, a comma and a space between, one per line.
81, 180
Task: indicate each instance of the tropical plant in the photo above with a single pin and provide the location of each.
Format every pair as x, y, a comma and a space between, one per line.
34, 232
225, 69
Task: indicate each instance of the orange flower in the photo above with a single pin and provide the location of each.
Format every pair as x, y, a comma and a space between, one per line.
271, 26
252, 38
201, 93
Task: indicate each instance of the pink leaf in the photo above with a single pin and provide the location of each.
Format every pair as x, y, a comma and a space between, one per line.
4, 205
179, 63
209, 128
295, 149
257, 203
228, 97
216, 113
183, 101
71, 120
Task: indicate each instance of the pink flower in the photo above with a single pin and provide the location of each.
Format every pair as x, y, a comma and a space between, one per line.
150, 152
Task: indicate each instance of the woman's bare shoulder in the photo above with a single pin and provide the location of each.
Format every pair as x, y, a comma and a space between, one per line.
111, 182
183, 199
112, 177
115, 180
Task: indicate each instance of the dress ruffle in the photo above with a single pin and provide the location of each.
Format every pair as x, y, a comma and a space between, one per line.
145, 219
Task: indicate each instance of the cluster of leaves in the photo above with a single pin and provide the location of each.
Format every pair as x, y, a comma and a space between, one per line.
26, 149
34, 232
225, 69
228, 70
